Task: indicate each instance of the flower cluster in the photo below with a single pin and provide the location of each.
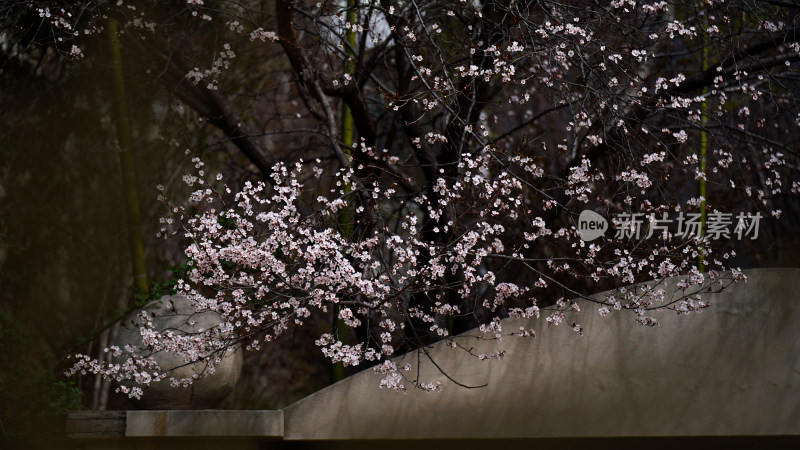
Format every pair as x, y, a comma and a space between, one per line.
483, 129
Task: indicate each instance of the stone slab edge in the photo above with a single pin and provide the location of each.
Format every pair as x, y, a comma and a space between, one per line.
200, 423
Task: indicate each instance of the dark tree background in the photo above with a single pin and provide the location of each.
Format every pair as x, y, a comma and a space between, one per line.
65, 265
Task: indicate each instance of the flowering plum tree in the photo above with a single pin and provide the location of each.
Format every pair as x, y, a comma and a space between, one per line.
448, 151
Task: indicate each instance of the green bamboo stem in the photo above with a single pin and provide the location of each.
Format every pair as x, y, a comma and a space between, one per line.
126, 163
345, 216
701, 188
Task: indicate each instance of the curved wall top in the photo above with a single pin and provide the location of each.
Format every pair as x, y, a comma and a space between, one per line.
733, 369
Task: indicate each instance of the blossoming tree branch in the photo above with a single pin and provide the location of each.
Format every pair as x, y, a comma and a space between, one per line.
442, 153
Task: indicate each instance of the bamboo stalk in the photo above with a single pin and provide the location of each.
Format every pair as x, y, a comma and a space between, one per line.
345, 216
701, 188
126, 162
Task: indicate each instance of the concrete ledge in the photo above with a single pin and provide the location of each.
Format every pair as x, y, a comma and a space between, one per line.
733, 369
96, 424
727, 375
202, 423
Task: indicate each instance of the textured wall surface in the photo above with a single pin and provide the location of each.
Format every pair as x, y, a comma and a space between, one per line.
733, 369
696, 380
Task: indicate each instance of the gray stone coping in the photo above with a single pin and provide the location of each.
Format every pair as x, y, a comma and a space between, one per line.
96, 424
192, 423
200, 423
731, 370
